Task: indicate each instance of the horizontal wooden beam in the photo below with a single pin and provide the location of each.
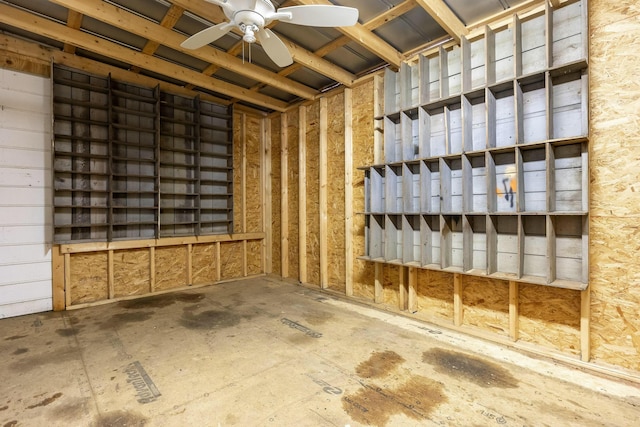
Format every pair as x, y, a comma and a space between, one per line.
445, 17
135, 24
47, 28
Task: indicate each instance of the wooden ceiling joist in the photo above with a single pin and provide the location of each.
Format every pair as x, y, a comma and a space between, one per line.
441, 13
74, 21
29, 22
120, 18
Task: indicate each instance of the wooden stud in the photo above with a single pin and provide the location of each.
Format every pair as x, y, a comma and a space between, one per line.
412, 298
323, 196
348, 190
110, 278
302, 182
57, 278
403, 288
67, 280
189, 260
514, 311
585, 325
284, 200
378, 111
378, 290
458, 309
152, 269
266, 193
243, 169
218, 263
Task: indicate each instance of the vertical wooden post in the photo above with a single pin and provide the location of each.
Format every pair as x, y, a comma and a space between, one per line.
152, 269
267, 246
585, 325
110, 278
189, 264
302, 182
458, 313
378, 289
67, 279
514, 311
284, 200
244, 189
412, 302
57, 278
348, 191
323, 196
403, 288
218, 263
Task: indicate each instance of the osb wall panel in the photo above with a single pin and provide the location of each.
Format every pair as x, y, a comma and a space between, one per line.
550, 317
131, 272
390, 287
363, 274
615, 189
435, 295
171, 267
335, 192
239, 142
293, 174
486, 304
231, 260
276, 196
89, 277
311, 197
254, 257
203, 264
255, 185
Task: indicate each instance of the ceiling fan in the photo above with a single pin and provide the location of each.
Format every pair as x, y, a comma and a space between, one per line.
251, 16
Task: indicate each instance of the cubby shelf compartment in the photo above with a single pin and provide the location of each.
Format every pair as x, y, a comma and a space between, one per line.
483, 167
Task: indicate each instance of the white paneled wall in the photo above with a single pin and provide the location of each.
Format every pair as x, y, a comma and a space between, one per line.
25, 194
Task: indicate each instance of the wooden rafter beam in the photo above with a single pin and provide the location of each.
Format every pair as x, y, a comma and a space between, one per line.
390, 15
299, 54
74, 21
30, 22
366, 38
445, 17
168, 21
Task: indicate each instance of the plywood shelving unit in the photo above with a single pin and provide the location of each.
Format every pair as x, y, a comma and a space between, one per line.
484, 162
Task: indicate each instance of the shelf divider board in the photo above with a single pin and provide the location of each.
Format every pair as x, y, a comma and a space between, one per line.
453, 128
378, 120
532, 179
424, 133
411, 188
393, 188
569, 35
444, 73
430, 237
532, 45
411, 243
551, 249
490, 121
393, 239
378, 192
437, 132
391, 92
568, 105
424, 83
465, 45
410, 136
517, 45
392, 138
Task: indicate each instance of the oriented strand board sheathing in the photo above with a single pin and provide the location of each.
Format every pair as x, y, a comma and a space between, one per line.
614, 189
292, 142
486, 304
435, 295
255, 185
89, 277
203, 259
231, 256
550, 317
239, 142
131, 272
276, 195
362, 155
312, 198
171, 267
390, 287
335, 192
254, 257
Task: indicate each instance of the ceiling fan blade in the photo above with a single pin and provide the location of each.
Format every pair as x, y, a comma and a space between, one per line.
319, 15
274, 48
207, 36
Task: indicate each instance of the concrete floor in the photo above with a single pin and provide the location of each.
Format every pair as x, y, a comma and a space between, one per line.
261, 352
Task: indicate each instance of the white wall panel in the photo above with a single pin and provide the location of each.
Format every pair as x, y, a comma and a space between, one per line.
25, 194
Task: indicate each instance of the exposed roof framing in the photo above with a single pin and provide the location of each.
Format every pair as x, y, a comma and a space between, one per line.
144, 37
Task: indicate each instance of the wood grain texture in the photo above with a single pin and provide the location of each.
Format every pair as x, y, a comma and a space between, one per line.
614, 191
171, 267
239, 142
255, 261
293, 172
550, 317
131, 272
204, 264
231, 259
486, 304
255, 186
335, 192
435, 295
89, 278
390, 289
276, 196
311, 198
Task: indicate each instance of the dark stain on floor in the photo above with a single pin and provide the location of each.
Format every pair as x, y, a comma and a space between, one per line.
416, 398
476, 370
67, 332
379, 364
160, 301
47, 401
120, 419
317, 317
4, 408
210, 319
122, 319
30, 362
20, 351
11, 423
402, 393
71, 412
